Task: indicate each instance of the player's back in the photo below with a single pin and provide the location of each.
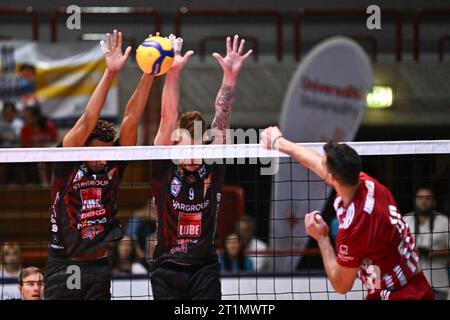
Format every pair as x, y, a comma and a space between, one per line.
373, 236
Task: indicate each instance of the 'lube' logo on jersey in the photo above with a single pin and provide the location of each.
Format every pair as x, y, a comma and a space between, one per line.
175, 186
189, 225
91, 199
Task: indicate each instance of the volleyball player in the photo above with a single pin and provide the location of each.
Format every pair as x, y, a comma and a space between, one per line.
83, 214
188, 195
373, 241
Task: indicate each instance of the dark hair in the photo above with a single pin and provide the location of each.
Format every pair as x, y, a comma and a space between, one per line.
27, 66
28, 272
9, 104
241, 258
36, 113
342, 162
416, 213
187, 121
103, 131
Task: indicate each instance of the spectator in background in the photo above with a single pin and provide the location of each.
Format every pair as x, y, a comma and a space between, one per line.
38, 131
142, 224
10, 126
233, 258
10, 260
10, 129
431, 230
126, 259
245, 228
31, 284
28, 73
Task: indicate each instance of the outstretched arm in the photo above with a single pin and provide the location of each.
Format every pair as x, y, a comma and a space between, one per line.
134, 110
115, 59
272, 138
171, 94
231, 66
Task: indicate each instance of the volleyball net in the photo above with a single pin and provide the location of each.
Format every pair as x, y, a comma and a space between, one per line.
264, 250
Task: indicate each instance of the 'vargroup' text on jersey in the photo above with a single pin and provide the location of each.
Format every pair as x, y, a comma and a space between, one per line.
82, 216
187, 204
373, 236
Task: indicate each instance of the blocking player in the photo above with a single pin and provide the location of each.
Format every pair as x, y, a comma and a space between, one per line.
83, 214
373, 241
188, 195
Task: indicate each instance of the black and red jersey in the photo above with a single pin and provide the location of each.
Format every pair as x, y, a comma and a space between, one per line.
187, 205
82, 216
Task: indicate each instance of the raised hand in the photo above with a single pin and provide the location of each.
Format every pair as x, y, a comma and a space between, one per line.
114, 57
232, 62
179, 61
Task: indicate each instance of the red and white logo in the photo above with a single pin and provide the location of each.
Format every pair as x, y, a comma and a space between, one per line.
91, 199
343, 253
189, 225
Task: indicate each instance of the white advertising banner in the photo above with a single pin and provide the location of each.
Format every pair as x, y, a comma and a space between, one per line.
325, 101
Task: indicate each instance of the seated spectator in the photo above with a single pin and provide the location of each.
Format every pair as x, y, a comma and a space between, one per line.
10, 129
38, 131
10, 260
125, 259
10, 126
31, 284
233, 258
431, 230
142, 224
245, 228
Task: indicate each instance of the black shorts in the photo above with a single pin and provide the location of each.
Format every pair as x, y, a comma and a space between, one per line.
171, 281
60, 282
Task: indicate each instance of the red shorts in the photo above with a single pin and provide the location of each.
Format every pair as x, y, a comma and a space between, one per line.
417, 288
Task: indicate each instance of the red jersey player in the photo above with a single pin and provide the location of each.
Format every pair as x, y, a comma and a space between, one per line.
373, 241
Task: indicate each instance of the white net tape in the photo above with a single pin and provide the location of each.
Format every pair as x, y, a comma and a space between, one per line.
14, 155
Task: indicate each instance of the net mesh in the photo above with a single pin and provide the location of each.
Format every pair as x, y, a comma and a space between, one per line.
264, 210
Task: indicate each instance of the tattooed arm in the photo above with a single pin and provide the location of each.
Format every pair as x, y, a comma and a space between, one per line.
231, 65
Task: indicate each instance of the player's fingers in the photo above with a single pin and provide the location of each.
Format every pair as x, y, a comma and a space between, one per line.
178, 45
245, 56
188, 54
241, 46
103, 46
115, 39
218, 57
228, 45
235, 42
108, 42
120, 40
127, 52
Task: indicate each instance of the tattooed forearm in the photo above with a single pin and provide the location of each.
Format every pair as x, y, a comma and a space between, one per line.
224, 102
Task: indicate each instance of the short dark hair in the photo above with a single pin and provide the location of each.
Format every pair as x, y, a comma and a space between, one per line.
425, 187
103, 131
9, 104
27, 66
342, 162
187, 121
28, 272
